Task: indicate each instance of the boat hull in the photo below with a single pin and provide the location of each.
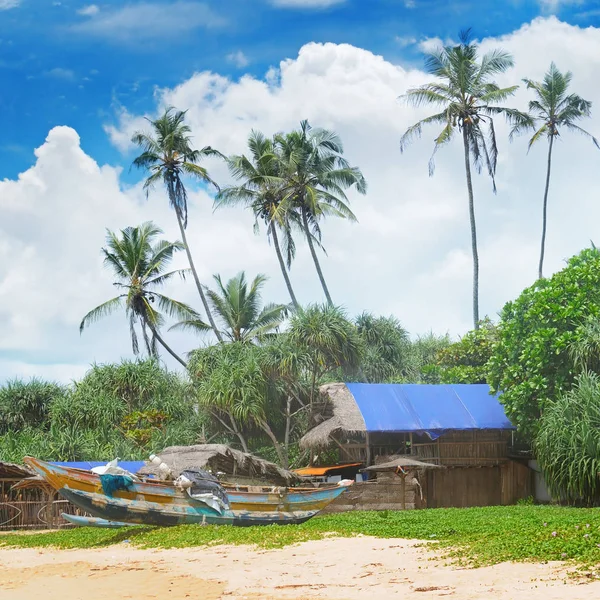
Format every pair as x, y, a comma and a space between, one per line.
93, 522
152, 513
275, 500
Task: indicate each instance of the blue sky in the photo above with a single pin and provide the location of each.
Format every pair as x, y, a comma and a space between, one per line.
73, 63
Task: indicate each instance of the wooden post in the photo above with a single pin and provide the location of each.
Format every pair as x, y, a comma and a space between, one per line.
368, 444
403, 491
411, 443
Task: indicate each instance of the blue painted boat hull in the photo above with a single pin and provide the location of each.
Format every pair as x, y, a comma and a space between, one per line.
152, 513
81, 521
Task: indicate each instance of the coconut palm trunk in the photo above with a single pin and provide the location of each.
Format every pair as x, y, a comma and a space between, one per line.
288, 283
545, 210
196, 279
164, 344
314, 256
473, 231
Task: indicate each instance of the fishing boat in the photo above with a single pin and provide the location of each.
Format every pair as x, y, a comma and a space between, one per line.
82, 521
182, 512
249, 499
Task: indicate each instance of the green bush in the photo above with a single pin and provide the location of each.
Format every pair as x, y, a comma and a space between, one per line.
532, 363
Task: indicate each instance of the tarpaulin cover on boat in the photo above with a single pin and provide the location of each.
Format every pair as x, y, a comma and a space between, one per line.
428, 408
133, 466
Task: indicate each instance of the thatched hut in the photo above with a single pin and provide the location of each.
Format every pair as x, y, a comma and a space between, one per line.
24, 503
462, 427
235, 466
442, 424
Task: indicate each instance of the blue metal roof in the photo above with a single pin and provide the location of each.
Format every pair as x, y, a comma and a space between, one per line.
428, 408
133, 466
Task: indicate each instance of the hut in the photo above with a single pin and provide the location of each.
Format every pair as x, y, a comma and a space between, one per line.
462, 428
22, 505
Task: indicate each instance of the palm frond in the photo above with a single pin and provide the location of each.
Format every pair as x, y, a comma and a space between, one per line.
101, 311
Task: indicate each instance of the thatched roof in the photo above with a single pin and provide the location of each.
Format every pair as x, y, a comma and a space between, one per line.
346, 417
401, 461
221, 458
14, 471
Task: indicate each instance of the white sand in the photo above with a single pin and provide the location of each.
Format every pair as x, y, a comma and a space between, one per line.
335, 568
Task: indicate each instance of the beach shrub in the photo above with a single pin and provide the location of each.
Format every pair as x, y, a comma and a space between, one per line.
568, 443
532, 363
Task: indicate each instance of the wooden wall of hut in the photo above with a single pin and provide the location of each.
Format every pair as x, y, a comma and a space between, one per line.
384, 493
458, 487
478, 486
478, 447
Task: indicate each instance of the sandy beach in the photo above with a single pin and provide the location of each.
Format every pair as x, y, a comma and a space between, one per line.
337, 569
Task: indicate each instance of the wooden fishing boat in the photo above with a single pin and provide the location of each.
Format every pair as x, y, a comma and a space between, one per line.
183, 512
82, 521
268, 499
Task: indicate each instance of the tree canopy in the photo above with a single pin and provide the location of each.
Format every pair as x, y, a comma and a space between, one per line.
532, 362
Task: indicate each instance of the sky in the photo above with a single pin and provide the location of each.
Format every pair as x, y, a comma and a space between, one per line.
80, 78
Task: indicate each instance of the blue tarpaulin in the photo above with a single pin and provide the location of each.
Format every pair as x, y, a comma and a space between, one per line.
428, 408
133, 466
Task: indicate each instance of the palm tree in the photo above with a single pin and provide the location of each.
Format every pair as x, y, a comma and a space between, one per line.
168, 155
553, 109
315, 179
261, 191
237, 305
468, 100
139, 263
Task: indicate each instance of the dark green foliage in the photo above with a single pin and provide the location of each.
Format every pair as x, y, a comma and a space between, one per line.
466, 361
423, 353
385, 348
532, 363
25, 404
238, 305
330, 340
139, 264
568, 443
113, 411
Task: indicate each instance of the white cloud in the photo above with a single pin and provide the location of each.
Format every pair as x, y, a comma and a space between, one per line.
434, 43
239, 59
89, 11
405, 40
410, 4
149, 21
306, 3
409, 254
61, 73
6, 4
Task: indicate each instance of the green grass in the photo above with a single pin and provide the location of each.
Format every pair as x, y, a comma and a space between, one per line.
474, 536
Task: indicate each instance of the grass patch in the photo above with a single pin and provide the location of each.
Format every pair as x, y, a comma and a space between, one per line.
474, 536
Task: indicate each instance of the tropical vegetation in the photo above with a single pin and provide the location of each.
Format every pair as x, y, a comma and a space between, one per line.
468, 100
257, 387
168, 155
139, 261
553, 110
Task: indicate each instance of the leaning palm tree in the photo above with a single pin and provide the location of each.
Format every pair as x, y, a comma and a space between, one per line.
260, 190
468, 99
168, 155
553, 109
139, 263
315, 179
238, 307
